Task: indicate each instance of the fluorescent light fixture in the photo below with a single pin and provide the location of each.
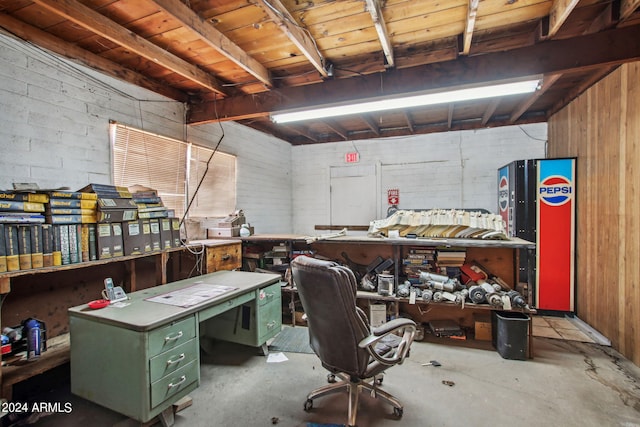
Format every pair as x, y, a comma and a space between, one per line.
391, 103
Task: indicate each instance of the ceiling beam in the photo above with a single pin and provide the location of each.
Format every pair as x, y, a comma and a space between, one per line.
547, 82
488, 113
87, 18
337, 128
381, 28
297, 34
371, 123
214, 38
75, 53
472, 12
560, 11
611, 47
300, 130
627, 7
409, 121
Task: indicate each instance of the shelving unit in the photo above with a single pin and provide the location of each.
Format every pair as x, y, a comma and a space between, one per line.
501, 257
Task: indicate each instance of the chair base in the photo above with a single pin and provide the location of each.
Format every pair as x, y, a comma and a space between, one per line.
353, 388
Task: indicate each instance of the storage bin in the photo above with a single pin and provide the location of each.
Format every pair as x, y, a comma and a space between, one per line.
510, 334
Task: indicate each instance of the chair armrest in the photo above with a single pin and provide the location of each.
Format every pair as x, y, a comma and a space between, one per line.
408, 328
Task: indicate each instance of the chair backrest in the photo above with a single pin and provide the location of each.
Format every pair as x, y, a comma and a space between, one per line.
328, 294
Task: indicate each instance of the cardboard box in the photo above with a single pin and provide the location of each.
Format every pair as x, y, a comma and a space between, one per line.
377, 314
223, 232
482, 327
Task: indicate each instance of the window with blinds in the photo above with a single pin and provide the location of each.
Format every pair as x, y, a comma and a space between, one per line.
174, 168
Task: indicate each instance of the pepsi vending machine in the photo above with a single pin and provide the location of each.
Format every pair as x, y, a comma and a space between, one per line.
536, 199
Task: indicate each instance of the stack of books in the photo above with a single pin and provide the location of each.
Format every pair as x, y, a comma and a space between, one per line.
21, 219
114, 203
73, 217
450, 260
418, 260
149, 204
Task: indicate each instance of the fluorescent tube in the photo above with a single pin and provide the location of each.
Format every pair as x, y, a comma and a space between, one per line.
391, 103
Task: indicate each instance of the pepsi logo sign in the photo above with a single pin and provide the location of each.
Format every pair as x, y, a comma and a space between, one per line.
503, 194
555, 190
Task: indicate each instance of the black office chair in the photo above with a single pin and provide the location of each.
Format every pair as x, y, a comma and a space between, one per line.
340, 334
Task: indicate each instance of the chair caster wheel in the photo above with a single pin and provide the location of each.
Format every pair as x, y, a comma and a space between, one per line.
379, 381
398, 412
331, 378
308, 405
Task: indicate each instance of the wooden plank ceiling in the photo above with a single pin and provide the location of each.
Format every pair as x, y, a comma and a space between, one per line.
245, 59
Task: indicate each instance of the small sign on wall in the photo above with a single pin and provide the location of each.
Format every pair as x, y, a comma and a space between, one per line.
393, 196
352, 157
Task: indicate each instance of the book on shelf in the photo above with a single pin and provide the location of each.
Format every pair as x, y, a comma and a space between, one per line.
3, 250
92, 242
70, 219
24, 247
24, 197
47, 245
11, 246
37, 249
56, 255
153, 214
73, 203
21, 218
116, 215
72, 195
69, 211
11, 205
107, 190
65, 254
74, 249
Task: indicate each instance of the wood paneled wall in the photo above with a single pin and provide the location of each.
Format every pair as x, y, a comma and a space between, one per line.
602, 129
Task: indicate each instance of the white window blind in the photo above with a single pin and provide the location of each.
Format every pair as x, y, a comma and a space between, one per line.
173, 167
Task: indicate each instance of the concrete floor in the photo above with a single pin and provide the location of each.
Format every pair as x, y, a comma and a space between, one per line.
568, 383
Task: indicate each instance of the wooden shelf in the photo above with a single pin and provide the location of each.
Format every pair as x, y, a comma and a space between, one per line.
19, 369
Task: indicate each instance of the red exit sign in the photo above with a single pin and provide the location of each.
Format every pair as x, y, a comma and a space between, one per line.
352, 157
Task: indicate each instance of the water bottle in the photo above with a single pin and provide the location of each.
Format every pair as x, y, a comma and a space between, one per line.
34, 338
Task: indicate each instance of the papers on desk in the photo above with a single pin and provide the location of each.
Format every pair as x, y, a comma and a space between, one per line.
192, 295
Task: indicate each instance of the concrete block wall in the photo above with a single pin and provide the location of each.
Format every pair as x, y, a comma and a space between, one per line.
445, 170
54, 118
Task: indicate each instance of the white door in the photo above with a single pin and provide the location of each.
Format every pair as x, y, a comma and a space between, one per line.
353, 195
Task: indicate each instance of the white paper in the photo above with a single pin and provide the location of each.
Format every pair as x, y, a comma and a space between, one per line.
192, 295
276, 357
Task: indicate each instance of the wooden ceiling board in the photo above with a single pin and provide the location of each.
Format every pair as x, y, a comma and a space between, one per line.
33, 14
424, 35
518, 15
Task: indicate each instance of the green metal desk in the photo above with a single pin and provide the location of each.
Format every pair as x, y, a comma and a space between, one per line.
139, 357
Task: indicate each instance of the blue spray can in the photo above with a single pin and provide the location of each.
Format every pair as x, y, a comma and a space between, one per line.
34, 338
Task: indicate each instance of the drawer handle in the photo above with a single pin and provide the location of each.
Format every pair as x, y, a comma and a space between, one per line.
182, 379
176, 337
271, 325
225, 257
178, 360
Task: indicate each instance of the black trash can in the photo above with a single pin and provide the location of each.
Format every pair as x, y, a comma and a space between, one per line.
510, 334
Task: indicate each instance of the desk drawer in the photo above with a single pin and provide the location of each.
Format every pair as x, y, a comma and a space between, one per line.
172, 384
269, 294
224, 257
270, 322
172, 360
171, 336
227, 305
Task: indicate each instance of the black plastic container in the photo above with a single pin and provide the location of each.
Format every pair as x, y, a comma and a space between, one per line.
510, 334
